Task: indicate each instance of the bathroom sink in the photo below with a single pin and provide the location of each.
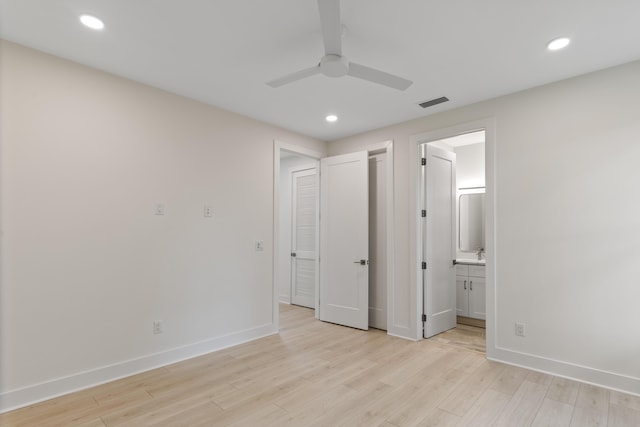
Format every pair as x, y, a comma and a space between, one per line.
471, 261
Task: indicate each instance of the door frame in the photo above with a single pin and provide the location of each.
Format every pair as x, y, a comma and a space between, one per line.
278, 148
378, 148
375, 148
415, 201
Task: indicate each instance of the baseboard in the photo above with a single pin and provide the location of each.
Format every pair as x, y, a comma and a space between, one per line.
15, 399
285, 299
469, 321
584, 374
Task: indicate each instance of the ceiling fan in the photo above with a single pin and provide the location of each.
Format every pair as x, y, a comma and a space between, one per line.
333, 64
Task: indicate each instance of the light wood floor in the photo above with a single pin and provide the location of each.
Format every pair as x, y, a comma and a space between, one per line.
318, 374
465, 337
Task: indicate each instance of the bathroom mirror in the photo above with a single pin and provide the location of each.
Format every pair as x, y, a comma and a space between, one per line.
471, 222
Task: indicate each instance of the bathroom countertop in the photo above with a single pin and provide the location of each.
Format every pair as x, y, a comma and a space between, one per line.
471, 261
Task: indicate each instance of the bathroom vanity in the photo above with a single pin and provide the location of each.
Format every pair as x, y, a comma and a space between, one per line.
470, 290
470, 263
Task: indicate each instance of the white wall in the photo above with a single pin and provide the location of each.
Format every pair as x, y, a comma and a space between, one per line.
284, 230
470, 165
86, 265
567, 223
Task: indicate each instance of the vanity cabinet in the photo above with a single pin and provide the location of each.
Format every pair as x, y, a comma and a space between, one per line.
470, 291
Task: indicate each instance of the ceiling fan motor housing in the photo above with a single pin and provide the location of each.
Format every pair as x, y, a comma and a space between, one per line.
334, 65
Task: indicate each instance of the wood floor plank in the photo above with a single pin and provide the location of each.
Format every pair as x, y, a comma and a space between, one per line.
471, 388
563, 390
623, 399
305, 411
623, 416
510, 380
553, 414
319, 374
591, 407
523, 406
423, 404
486, 410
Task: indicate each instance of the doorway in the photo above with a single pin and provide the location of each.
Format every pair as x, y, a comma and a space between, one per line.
379, 254
453, 276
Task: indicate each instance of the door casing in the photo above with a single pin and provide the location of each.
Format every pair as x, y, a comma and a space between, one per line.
375, 148
414, 331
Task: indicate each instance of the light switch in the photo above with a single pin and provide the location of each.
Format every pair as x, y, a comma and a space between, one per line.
260, 245
159, 209
208, 211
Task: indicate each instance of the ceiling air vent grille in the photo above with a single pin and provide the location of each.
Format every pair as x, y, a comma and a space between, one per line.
433, 102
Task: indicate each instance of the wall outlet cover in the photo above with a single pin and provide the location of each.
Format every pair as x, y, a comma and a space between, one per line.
157, 327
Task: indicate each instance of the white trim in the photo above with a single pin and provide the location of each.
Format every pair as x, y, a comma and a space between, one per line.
415, 291
600, 378
391, 221
18, 398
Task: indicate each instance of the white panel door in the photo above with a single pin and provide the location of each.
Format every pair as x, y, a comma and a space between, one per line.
378, 241
344, 240
440, 249
303, 237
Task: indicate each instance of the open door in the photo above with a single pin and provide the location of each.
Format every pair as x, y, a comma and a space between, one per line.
439, 249
344, 240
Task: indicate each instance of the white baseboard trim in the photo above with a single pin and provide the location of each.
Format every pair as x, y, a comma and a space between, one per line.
584, 374
400, 331
15, 399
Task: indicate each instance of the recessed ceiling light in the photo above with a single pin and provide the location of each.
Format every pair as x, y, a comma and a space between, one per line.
559, 43
331, 118
92, 22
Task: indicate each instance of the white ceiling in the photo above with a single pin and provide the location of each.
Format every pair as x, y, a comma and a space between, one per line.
222, 52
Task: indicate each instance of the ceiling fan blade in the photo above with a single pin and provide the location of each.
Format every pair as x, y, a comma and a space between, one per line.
331, 27
290, 78
377, 76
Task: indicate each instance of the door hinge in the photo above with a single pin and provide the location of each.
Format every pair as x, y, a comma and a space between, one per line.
424, 213
424, 265
423, 161
424, 317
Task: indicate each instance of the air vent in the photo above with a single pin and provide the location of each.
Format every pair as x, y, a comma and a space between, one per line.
433, 102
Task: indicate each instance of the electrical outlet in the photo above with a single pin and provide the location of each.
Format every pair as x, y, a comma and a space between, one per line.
520, 329
157, 327
159, 209
208, 211
260, 245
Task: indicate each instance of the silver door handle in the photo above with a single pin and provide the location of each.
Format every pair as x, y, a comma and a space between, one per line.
465, 285
471, 285
362, 262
